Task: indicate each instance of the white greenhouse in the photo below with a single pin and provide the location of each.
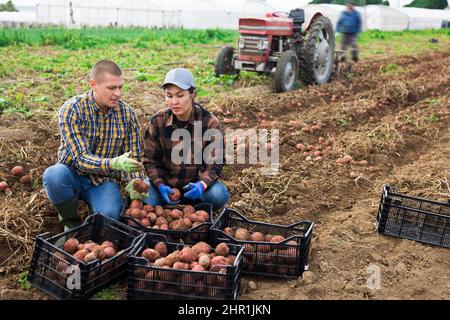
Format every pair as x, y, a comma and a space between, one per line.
97, 13
245, 9
384, 18
57, 12
425, 18
140, 13
287, 5
203, 14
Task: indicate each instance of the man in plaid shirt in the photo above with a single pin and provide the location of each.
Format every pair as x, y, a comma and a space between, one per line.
100, 146
198, 180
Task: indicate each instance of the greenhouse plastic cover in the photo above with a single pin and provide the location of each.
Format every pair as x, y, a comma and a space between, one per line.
203, 14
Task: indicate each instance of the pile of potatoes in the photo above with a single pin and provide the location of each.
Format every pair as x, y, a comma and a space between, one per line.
200, 257
90, 251
165, 219
268, 256
84, 252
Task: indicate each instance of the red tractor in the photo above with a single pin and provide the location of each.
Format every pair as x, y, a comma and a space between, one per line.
284, 45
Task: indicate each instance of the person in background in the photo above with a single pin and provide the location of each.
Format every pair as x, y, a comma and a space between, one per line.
349, 24
100, 146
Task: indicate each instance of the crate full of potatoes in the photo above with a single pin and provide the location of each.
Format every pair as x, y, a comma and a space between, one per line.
185, 223
80, 262
159, 269
269, 249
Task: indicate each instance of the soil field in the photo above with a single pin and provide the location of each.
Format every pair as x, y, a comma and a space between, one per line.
397, 119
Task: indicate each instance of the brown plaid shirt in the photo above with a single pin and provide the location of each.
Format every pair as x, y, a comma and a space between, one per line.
158, 148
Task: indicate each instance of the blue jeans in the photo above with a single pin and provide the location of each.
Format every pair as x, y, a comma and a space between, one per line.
62, 184
216, 194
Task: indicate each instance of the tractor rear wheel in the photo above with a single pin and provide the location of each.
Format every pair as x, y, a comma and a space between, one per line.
317, 60
286, 74
225, 62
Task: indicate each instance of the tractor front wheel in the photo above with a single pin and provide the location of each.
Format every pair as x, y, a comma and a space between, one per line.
225, 62
286, 74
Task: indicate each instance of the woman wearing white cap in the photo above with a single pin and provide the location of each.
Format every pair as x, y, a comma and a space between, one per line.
196, 177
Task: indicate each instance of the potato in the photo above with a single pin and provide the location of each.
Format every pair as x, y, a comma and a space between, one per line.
159, 211
188, 255
140, 186
203, 214
80, 254
71, 245
3, 186
204, 261
194, 217
222, 249
172, 258
161, 247
187, 222
201, 247
175, 196
176, 214
145, 222
150, 254
229, 231
277, 239
91, 256
160, 220
164, 226
18, 171
25, 180
152, 217
232, 258
148, 208
136, 204
218, 261
100, 252
188, 209
160, 262
257, 236
142, 214
109, 252
166, 213
181, 266
107, 244
198, 267
135, 213
268, 237
178, 225
90, 246
242, 234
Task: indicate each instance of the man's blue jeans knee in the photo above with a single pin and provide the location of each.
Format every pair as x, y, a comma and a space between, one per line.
62, 184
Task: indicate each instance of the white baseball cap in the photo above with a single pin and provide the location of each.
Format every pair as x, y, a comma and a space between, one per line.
180, 77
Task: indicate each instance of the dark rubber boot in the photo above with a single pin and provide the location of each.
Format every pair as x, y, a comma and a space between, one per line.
67, 213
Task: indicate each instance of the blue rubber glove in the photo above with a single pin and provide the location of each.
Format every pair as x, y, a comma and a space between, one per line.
195, 190
165, 191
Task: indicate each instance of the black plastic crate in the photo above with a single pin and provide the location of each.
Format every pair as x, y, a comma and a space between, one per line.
59, 274
146, 282
193, 235
266, 258
414, 218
